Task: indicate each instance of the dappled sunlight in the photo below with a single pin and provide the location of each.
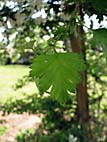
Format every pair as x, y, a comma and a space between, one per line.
16, 123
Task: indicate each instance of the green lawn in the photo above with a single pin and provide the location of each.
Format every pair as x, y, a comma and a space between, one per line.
8, 78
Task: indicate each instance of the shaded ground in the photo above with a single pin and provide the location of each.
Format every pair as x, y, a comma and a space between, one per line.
17, 122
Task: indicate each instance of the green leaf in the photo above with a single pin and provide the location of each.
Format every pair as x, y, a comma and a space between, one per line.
61, 33
100, 39
60, 72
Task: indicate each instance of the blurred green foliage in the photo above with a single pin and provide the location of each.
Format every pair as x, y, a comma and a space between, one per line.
58, 121
27, 136
3, 130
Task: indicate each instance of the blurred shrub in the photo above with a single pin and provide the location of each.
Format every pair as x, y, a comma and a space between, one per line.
22, 82
58, 121
78, 135
28, 104
3, 129
27, 136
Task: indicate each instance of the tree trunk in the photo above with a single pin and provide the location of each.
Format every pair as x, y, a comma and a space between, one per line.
77, 45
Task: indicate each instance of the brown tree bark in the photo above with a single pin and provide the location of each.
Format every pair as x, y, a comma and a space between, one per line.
77, 45
81, 91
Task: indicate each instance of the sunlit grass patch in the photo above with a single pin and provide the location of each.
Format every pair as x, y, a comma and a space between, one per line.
8, 78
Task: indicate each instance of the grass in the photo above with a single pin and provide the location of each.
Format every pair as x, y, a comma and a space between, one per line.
9, 74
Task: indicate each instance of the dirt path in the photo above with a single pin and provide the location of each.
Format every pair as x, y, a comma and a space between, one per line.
16, 122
